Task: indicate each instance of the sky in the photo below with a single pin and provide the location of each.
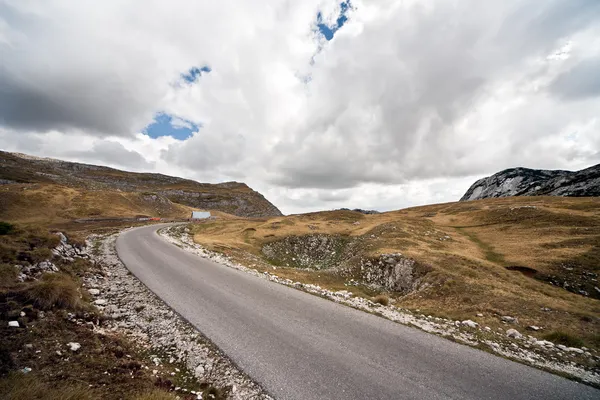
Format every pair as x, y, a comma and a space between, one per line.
317, 104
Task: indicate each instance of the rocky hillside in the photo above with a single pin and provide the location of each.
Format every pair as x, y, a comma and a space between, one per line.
230, 197
537, 182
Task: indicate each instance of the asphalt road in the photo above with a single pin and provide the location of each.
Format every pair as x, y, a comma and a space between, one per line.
300, 346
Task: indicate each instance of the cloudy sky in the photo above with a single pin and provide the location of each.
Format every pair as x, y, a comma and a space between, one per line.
315, 103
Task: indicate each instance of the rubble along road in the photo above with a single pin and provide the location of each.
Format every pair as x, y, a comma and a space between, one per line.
300, 346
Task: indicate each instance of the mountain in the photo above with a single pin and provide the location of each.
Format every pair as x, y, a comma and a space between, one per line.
230, 197
537, 182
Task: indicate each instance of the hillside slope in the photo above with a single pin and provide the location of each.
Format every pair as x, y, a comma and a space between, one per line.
534, 258
534, 182
230, 197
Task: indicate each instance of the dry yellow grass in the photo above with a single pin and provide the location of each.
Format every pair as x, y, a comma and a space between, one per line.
48, 204
468, 244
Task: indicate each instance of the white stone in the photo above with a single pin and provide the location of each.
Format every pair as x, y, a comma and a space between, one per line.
513, 333
74, 346
470, 324
13, 324
575, 350
479, 314
199, 370
509, 319
94, 292
100, 302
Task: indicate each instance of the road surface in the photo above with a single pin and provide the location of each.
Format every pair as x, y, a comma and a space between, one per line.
300, 346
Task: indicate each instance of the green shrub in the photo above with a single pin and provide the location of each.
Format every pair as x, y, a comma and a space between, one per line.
564, 338
6, 228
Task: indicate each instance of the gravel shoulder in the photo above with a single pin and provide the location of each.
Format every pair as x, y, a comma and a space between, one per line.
131, 308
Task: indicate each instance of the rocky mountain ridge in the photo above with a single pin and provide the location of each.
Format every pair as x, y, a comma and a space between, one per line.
230, 197
536, 182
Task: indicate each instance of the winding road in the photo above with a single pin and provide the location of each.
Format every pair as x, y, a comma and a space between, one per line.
300, 346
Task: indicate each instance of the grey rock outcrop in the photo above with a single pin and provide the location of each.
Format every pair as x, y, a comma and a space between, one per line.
393, 272
534, 182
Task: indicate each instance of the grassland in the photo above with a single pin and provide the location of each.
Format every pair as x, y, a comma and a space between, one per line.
534, 258
64, 208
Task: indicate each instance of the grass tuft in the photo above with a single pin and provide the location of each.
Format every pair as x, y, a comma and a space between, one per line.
8, 275
382, 299
55, 290
156, 395
18, 386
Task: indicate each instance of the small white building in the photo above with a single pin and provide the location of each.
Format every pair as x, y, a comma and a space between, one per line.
200, 214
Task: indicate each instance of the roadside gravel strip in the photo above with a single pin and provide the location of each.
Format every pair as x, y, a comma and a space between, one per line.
134, 310
300, 346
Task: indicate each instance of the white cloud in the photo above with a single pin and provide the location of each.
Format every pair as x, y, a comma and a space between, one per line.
408, 104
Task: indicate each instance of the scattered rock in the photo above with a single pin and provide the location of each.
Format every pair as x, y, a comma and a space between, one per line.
100, 302
575, 350
509, 319
470, 324
74, 346
513, 333
94, 292
479, 314
534, 328
13, 324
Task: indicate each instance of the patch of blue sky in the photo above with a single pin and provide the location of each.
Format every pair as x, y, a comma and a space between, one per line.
194, 73
168, 125
328, 31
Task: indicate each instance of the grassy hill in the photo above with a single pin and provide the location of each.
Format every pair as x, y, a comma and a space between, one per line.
534, 258
134, 193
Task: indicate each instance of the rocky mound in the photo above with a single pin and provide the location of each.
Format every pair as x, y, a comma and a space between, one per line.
230, 197
535, 182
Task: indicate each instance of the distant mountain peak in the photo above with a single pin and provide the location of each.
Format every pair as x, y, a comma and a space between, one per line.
536, 182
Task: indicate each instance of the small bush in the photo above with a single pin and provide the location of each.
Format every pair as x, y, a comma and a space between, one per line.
6, 228
564, 338
382, 299
55, 290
